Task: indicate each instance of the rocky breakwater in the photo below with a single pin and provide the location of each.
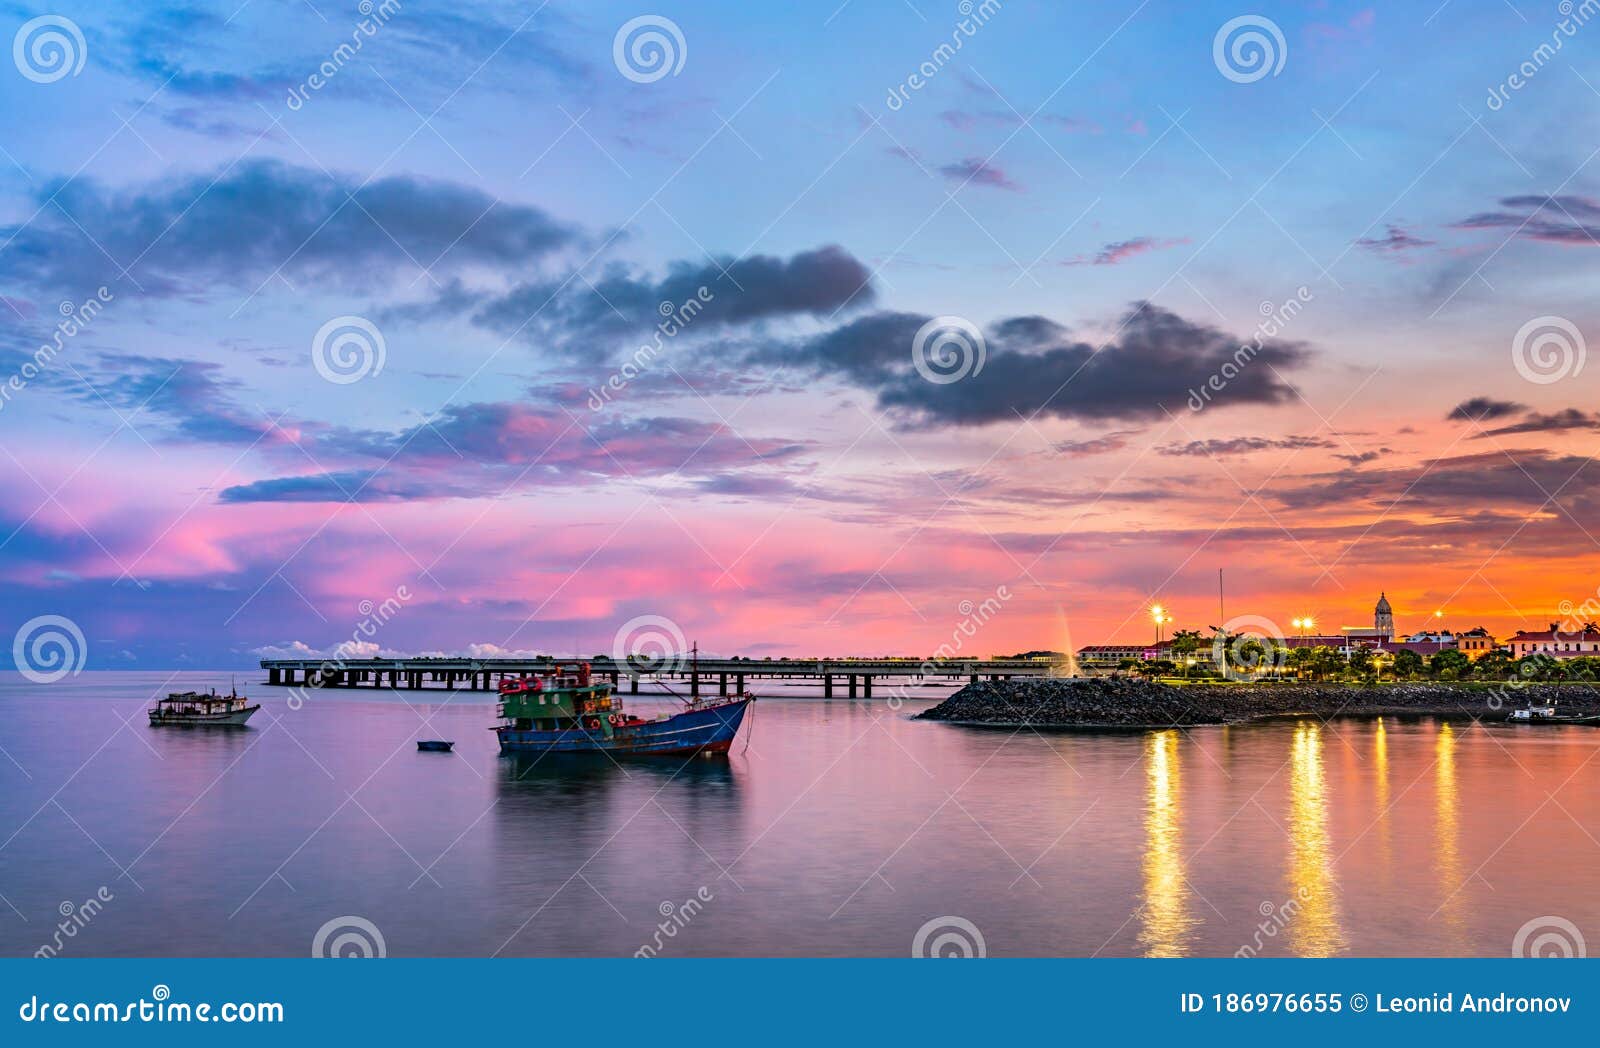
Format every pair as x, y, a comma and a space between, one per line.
1087, 702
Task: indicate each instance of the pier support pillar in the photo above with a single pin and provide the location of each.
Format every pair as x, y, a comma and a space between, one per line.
974, 678
633, 684
852, 685
274, 676
866, 692
722, 685
827, 685
738, 683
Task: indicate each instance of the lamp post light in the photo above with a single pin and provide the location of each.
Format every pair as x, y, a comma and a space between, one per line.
1159, 616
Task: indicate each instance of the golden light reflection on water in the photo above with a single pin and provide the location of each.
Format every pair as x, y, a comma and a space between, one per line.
1447, 835
1380, 776
1168, 923
1314, 931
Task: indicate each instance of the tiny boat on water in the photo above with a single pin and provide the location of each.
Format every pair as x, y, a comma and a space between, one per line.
434, 746
568, 711
1548, 714
202, 709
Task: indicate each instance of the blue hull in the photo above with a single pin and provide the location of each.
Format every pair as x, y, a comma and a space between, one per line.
709, 730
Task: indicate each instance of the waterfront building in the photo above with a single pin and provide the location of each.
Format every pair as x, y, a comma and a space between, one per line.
1556, 642
1476, 643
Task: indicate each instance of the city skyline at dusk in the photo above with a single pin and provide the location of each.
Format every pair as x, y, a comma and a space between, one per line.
804, 341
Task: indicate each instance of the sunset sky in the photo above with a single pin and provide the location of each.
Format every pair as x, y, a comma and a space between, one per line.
487, 190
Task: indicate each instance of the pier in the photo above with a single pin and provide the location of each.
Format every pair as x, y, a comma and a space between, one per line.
853, 677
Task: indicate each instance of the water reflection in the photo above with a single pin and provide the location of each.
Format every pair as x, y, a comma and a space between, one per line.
1168, 924
1447, 835
1380, 775
1315, 930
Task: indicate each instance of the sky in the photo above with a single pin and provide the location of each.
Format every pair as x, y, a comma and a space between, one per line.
790, 330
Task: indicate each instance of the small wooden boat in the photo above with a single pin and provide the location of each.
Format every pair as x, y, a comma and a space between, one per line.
1548, 714
434, 746
202, 710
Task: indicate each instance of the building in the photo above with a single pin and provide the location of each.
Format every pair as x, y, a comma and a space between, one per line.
1111, 656
1476, 643
1556, 642
1383, 617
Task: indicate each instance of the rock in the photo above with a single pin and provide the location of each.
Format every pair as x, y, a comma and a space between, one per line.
1106, 702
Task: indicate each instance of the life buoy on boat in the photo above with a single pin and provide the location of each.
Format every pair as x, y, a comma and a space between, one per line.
614, 720
593, 723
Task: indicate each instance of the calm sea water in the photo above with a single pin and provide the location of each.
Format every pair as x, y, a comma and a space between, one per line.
843, 829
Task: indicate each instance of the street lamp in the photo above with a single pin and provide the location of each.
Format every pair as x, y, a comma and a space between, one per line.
1159, 616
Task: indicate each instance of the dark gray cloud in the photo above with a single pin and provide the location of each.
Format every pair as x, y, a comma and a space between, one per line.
184, 235
1551, 422
1484, 409
1244, 445
1396, 240
486, 449
1101, 445
979, 172
587, 317
1559, 219
1154, 363
190, 399
1490, 482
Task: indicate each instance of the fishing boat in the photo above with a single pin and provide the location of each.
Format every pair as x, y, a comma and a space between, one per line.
434, 745
202, 709
569, 711
1548, 714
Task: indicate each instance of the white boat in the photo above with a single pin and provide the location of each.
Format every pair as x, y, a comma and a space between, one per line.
202, 709
1547, 714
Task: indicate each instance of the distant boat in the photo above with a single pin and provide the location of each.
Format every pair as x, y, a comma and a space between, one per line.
202, 710
434, 746
569, 711
1549, 715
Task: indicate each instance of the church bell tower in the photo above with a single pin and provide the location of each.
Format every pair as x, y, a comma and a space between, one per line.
1383, 617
